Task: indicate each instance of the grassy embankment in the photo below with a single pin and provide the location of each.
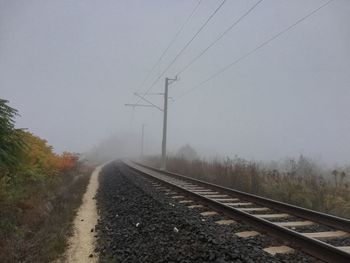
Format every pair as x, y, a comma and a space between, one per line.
300, 182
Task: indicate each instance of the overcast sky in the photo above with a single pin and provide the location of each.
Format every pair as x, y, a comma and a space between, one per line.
70, 66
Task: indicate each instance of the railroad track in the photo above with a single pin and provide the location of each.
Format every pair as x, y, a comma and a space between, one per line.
287, 222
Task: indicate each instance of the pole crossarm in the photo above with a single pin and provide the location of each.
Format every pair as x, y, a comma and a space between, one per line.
146, 100
170, 81
138, 105
151, 94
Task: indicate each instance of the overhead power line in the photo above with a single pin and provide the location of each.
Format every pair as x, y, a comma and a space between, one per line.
220, 37
170, 44
224, 69
186, 45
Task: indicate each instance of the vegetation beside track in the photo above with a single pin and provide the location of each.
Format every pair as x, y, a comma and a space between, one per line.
39, 193
300, 182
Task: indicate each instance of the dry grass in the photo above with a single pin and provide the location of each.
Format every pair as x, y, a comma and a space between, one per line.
299, 182
36, 224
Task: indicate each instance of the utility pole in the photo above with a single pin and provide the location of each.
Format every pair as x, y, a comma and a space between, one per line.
142, 139
168, 81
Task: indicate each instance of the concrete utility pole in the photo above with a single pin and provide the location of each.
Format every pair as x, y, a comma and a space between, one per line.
168, 81
142, 139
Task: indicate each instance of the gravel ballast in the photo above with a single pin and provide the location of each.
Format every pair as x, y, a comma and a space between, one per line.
139, 223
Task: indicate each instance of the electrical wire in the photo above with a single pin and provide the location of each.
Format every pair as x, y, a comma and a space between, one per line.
224, 69
170, 44
219, 38
186, 46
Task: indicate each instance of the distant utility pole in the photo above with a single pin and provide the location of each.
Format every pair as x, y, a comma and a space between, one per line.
168, 81
142, 139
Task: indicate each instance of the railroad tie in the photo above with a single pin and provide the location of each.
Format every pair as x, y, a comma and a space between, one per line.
327, 234
295, 223
239, 204
253, 209
246, 234
198, 189
225, 222
214, 196
279, 250
185, 185
209, 213
222, 200
178, 196
230, 204
267, 216
206, 193
195, 206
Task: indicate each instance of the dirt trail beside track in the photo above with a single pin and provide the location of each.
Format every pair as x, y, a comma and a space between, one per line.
82, 243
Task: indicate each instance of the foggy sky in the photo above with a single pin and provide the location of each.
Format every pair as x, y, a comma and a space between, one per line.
70, 66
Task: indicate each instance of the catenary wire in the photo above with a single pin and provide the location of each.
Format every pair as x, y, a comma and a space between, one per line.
186, 45
220, 37
170, 44
222, 70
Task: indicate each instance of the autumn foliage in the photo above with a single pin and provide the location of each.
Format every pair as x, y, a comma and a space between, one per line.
40, 156
24, 155
29, 171
37, 158
67, 161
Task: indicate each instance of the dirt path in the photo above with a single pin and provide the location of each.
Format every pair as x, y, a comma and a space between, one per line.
82, 243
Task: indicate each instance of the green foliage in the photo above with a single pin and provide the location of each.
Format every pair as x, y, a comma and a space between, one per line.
11, 143
31, 177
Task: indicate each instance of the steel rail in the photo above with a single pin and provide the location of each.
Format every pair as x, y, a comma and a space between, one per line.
322, 218
309, 245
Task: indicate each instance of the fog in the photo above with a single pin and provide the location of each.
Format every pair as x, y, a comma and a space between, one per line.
70, 67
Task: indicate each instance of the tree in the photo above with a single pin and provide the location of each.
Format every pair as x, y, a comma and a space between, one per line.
11, 143
335, 174
39, 156
187, 152
68, 161
342, 176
